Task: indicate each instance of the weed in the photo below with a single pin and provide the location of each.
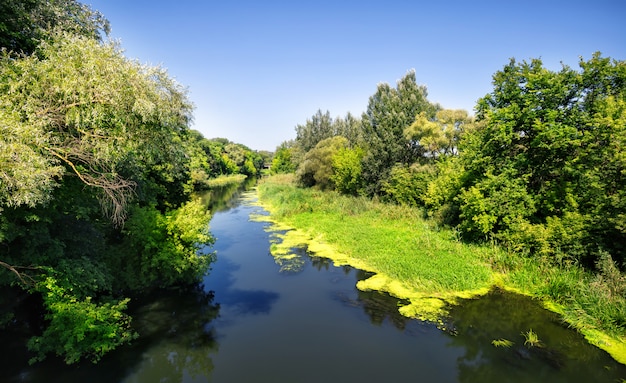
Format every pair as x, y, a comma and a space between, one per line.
502, 343
531, 339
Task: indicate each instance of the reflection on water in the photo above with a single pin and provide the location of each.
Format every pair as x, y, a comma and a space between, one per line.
250, 322
561, 354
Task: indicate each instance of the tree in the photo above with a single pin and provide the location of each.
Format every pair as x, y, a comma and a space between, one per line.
441, 135
318, 128
317, 167
347, 171
389, 113
86, 131
547, 160
283, 161
26, 23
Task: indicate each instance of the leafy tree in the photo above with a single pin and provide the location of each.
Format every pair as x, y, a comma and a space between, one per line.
318, 128
317, 167
26, 23
351, 128
407, 185
347, 171
86, 131
283, 159
389, 113
548, 157
441, 135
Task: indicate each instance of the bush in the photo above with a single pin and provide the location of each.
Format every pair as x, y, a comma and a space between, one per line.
79, 328
407, 185
347, 173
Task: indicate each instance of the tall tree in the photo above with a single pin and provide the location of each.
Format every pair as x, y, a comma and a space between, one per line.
318, 128
389, 113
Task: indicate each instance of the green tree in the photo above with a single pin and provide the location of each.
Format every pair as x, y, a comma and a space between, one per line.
26, 23
283, 159
85, 131
440, 135
347, 171
317, 167
548, 157
318, 128
389, 113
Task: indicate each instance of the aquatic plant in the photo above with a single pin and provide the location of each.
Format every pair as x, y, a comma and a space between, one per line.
502, 343
531, 339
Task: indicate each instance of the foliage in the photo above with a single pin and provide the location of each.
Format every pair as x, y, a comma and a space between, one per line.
318, 128
216, 157
25, 23
97, 165
389, 113
347, 171
441, 135
407, 185
163, 249
317, 167
94, 112
282, 162
549, 150
79, 327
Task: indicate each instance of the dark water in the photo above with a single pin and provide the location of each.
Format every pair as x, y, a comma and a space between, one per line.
250, 322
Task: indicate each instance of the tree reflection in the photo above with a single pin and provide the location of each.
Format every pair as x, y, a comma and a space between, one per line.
562, 356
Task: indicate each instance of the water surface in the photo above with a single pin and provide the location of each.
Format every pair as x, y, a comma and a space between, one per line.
255, 321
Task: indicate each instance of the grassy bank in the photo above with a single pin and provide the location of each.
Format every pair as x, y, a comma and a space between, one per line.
431, 267
224, 180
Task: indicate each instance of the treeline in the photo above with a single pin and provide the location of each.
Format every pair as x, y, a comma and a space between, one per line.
98, 166
541, 168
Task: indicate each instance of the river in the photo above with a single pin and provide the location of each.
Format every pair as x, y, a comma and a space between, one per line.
255, 320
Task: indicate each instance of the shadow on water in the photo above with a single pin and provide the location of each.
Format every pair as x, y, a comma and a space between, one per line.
496, 332
175, 342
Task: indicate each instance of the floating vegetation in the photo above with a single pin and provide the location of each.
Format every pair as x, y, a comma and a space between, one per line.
502, 343
531, 339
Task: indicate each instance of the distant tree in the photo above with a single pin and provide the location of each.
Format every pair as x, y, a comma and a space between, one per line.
283, 161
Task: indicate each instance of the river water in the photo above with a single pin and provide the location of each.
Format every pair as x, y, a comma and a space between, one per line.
254, 320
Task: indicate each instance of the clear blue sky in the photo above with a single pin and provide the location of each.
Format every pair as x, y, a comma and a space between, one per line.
256, 69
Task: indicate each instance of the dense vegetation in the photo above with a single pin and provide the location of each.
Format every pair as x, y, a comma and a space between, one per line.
540, 171
98, 166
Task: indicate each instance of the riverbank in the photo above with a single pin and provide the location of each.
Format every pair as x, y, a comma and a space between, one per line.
430, 266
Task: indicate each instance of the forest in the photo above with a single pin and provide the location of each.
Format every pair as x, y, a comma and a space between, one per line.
99, 166
98, 170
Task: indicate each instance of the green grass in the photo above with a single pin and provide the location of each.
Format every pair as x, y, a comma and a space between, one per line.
413, 259
226, 180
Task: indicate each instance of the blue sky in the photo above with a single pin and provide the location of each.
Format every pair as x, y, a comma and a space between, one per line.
256, 69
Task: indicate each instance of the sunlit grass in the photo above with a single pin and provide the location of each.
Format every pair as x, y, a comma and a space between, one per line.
225, 180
